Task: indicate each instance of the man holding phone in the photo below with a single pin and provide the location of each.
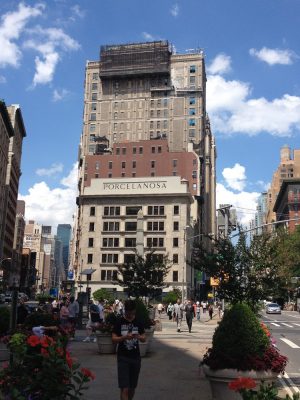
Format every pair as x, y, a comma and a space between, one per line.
127, 333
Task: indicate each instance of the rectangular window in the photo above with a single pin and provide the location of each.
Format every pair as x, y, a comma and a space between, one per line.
192, 133
155, 225
129, 258
134, 150
97, 165
95, 76
192, 100
94, 96
110, 165
111, 226
130, 226
192, 80
130, 242
141, 150
192, 122
152, 164
110, 242
123, 164
176, 210
89, 258
194, 174
175, 226
113, 210
159, 149
153, 149
94, 107
133, 164
192, 111
91, 227
92, 128
133, 210
192, 69
156, 210
174, 163
175, 276
155, 242
91, 242
133, 174
103, 275
93, 117
94, 86
123, 150
175, 258
165, 124
92, 211
118, 151
110, 258
175, 242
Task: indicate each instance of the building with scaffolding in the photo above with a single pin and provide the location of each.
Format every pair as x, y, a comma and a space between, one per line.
144, 122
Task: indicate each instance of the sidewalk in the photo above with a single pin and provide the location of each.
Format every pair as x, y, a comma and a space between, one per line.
169, 372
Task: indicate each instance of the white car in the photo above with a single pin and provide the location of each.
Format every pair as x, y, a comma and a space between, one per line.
273, 308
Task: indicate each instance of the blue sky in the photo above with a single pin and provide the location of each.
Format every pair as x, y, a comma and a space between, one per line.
252, 54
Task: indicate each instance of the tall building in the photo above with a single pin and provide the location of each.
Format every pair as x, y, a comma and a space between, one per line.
146, 145
64, 235
6, 132
287, 205
260, 216
19, 237
289, 167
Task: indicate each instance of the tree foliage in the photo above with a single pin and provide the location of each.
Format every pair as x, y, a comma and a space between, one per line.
144, 277
103, 294
251, 272
172, 296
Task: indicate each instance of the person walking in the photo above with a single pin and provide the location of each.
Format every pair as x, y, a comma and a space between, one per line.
178, 312
127, 332
210, 311
64, 314
170, 310
93, 322
73, 309
189, 314
204, 305
198, 308
160, 308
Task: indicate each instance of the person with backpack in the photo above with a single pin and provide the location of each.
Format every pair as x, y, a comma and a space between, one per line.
189, 314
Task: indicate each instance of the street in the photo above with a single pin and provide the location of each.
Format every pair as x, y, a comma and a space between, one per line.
285, 328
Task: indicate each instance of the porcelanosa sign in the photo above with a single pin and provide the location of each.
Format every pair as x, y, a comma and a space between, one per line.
109, 186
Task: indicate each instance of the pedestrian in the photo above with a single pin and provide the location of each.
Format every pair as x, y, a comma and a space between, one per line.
204, 305
198, 310
210, 311
127, 332
73, 309
189, 314
170, 310
160, 308
64, 314
178, 312
93, 322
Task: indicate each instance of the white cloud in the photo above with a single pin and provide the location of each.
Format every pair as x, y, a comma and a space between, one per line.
235, 177
220, 65
2, 79
11, 27
175, 10
77, 11
243, 201
148, 36
52, 206
231, 110
49, 43
274, 56
59, 95
54, 169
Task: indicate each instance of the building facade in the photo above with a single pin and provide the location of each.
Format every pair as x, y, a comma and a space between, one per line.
144, 121
64, 235
287, 205
289, 167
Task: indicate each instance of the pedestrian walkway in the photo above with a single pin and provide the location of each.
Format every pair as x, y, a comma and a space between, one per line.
170, 372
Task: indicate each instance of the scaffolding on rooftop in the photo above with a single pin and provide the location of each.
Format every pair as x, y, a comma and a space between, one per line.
135, 59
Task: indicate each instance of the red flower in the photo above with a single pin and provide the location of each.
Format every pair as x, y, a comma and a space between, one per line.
46, 341
60, 351
69, 359
241, 383
33, 341
87, 373
44, 352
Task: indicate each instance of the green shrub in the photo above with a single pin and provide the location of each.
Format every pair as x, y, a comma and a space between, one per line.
4, 320
103, 294
238, 340
172, 296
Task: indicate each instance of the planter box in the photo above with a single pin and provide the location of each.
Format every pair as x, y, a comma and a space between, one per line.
143, 348
220, 378
149, 336
105, 344
4, 352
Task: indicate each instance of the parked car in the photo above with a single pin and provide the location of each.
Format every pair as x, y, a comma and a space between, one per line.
273, 308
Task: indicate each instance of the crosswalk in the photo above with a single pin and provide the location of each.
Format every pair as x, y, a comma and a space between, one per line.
283, 324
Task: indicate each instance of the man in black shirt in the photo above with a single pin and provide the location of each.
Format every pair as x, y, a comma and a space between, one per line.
127, 333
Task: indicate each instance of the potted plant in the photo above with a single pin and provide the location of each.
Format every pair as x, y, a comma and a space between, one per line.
103, 334
241, 347
42, 369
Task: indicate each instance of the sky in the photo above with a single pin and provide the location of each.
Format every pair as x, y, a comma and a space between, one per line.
252, 56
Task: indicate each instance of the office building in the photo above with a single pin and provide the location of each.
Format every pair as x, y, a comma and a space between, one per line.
64, 235
146, 145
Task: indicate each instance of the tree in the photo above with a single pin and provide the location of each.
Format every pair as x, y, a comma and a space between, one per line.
103, 294
172, 296
144, 277
245, 272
